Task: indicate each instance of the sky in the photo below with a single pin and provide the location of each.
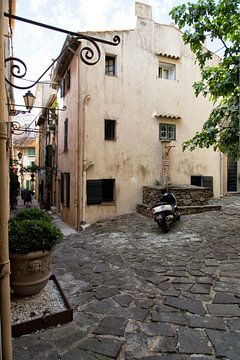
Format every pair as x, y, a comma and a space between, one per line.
37, 46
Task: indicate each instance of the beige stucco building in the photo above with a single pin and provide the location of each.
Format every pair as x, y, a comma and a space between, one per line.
126, 119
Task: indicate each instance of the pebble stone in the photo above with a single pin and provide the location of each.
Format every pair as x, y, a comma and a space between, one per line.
140, 294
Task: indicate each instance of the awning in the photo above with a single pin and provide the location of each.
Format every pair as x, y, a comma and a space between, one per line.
167, 116
175, 57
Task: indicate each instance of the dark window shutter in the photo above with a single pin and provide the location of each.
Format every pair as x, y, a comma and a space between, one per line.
62, 88
109, 128
94, 192
108, 190
49, 157
68, 80
62, 188
66, 134
67, 177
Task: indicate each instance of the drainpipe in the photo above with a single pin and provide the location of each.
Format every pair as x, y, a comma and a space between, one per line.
84, 159
78, 163
221, 176
5, 306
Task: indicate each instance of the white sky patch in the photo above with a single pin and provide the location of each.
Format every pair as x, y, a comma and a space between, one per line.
37, 46
36, 4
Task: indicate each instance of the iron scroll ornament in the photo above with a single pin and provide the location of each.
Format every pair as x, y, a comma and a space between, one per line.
89, 56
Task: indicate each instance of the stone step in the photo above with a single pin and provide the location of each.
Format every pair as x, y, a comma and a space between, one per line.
146, 210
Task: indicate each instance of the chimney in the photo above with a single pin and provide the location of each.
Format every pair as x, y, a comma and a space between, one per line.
143, 10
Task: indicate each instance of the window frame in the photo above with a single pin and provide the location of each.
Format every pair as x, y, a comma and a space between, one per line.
99, 192
110, 69
33, 149
65, 83
109, 129
65, 139
169, 67
170, 132
65, 189
62, 88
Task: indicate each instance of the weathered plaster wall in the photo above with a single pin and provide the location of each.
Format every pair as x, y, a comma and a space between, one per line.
136, 98
133, 97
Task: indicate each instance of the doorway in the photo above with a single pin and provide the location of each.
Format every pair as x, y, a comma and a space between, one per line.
232, 175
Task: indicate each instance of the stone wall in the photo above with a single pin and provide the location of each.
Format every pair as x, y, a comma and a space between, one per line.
186, 195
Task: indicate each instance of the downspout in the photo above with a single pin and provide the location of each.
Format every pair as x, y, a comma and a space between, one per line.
84, 159
78, 162
221, 175
5, 305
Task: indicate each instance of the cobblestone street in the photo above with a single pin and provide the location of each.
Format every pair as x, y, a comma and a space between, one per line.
138, 293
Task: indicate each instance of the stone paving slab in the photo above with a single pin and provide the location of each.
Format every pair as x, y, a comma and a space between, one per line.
139, 294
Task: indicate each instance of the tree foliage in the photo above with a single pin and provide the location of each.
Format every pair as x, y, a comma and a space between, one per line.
215, 20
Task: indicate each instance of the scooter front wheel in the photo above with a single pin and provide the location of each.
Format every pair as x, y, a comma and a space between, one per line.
164, 226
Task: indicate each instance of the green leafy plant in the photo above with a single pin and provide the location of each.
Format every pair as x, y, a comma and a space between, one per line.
215, 20
28, 235
32, 214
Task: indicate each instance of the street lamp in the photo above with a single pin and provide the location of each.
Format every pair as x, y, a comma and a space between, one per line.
29, 100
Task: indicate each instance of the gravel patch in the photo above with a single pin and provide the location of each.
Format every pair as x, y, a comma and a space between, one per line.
49, 301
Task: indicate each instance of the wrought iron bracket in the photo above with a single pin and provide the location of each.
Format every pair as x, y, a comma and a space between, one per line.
89, 55
13, 112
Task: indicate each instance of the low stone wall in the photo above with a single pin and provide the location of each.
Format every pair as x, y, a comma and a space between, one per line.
184, 210
186, 195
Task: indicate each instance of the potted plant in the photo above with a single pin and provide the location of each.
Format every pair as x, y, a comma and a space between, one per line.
32, 237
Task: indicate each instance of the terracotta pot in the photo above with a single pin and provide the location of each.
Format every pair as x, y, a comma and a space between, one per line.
29, 272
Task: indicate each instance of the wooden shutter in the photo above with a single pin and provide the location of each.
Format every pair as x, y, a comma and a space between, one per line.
49, 157
62, 188
108, 190
67, 178
94, 192
66, 134
62, 88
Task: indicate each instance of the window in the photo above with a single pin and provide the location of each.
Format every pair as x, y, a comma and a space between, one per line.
28, 184
62, 188
109, 129
68, 80
167, 132
166, 71
100, 191
31, 152
67, 177
65, 84
62, 88
110, 65
66, 134
49, 156
65, 189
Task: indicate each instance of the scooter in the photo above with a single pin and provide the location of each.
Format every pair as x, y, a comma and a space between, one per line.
166, 211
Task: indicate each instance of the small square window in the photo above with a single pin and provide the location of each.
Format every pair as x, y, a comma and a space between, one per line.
166, 71
110, 65
167, 132
110, 129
